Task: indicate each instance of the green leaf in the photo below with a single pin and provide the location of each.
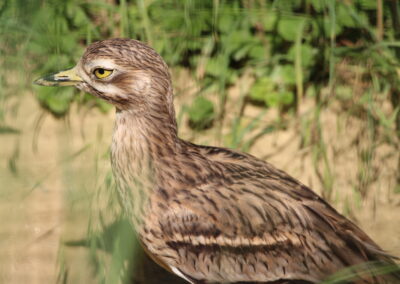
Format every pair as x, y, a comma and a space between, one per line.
56, 100
56, 62
318, 5
5, 129
344, 92
288, 26
80, 19
327, 24
344, 17
269, 21
236, 39
286, 98
217, 67
284, 74
368, 4
258, 52
201, 113
261, 88
307, 54
276, 99
225, 22
287, 5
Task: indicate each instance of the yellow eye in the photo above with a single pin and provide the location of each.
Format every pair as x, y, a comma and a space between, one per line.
101, 73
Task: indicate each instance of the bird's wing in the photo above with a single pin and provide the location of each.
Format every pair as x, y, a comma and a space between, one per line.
261, 227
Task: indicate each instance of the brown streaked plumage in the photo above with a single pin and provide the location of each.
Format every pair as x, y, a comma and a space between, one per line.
210, 214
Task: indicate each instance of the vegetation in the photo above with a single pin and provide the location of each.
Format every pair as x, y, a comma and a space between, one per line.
330, 52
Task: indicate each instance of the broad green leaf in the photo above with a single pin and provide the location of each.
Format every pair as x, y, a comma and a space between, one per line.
327, 22
237, 39
284, 74
56, 100
217, 67
307, 54
275, 99
288, 27
344, 17
225, 22
269, 21
261, 88
242, 52
258, 52
201, 113
368, 4
318, 5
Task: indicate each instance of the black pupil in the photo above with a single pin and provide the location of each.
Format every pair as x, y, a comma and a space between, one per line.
101, 71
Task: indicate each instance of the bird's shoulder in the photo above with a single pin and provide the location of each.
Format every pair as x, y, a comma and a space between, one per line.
232, 167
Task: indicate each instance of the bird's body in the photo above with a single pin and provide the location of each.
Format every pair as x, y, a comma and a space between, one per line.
209, 214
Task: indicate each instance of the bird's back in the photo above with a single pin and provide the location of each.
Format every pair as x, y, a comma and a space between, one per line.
234, 218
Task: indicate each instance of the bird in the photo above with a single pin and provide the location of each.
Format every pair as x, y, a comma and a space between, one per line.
211, 214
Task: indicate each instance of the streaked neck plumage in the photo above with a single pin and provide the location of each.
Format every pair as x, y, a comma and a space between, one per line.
142, 145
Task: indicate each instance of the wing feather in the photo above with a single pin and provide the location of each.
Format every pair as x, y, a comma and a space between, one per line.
259, 224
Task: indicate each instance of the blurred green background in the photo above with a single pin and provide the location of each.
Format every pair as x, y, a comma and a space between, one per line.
311, 85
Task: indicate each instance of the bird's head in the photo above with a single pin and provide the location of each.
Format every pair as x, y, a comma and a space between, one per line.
124, 72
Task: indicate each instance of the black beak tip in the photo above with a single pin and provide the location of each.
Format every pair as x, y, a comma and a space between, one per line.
37, 82
46, 81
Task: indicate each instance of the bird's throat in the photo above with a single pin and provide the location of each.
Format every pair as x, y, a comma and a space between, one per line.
141, 147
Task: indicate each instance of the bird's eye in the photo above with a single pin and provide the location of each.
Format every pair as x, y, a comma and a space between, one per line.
102, 73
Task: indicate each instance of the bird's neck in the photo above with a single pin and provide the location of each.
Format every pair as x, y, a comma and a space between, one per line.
142, 146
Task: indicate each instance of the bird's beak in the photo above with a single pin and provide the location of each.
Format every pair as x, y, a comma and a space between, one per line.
62, 78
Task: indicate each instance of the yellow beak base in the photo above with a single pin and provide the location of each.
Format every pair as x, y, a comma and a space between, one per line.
62, 78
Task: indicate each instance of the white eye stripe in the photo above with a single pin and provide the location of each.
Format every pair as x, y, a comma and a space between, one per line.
108, 89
